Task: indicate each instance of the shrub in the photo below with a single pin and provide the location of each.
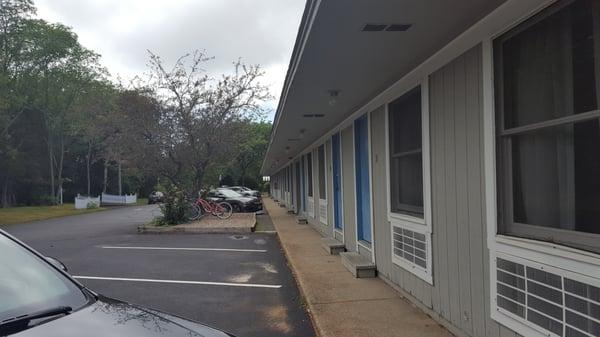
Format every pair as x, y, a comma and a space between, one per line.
91, 205
174, 208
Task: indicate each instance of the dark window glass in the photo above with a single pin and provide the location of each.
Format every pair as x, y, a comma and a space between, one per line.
309, 173
406, 160
548, 68
547, 94
322, 181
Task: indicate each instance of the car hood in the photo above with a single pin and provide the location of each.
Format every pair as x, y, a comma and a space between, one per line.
108, 317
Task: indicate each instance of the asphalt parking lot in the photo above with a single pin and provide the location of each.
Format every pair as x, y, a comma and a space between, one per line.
238, 283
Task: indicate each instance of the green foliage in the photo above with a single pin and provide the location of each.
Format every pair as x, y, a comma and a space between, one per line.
174, 208
245, 167
65, 127
59, 115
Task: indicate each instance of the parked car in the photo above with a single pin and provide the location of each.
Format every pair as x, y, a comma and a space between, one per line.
156, 197
245, 191
39, 299
239, 202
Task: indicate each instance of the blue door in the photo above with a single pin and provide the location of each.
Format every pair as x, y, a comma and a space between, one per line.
337, 181
297, 192
363, 190
303, 185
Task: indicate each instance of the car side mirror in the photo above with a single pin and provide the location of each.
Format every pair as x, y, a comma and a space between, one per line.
55, 262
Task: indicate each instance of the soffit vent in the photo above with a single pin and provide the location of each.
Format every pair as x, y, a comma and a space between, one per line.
554, 304
373, 27
388, 27
313, 115
397, 28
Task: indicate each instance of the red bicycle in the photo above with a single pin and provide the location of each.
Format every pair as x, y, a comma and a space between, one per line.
201, 207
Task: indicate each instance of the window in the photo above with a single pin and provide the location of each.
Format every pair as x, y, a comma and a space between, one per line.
322, 187
547, 73
309, 174
406, 159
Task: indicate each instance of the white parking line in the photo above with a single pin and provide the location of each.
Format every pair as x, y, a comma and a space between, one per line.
189, 249
225, 284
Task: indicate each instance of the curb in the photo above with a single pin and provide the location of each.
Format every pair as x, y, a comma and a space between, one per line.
184, 228
299, 284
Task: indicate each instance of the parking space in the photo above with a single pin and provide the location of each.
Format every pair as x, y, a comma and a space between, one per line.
239, 283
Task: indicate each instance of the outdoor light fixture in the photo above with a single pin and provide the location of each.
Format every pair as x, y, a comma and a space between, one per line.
287, 149
333, 94
302, 131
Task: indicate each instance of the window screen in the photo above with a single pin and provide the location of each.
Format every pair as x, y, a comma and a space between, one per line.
406, 158
547, 74
322, 181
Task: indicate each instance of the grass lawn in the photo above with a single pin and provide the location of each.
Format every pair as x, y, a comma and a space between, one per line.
13, 215
142, 201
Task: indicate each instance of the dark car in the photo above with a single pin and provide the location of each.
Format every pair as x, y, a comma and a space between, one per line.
245, 191
39, 299
239, 203
156, 197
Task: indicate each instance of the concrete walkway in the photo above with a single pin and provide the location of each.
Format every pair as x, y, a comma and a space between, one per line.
341, 305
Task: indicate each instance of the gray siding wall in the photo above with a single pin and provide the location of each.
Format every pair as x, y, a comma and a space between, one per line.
347, 140
381, 226
324, 229
329, 183
460, 295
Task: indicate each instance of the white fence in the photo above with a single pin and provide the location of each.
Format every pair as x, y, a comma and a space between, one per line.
110, 199
86, 202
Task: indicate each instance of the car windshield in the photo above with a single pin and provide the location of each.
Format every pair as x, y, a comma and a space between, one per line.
28, 284
230, 193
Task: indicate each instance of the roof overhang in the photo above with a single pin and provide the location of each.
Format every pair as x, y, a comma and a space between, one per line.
336, 68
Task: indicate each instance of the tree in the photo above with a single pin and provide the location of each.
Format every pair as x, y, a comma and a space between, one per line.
251, 151
14, 16
66, 70
202, 116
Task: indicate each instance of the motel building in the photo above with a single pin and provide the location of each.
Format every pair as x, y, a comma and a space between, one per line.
452, 149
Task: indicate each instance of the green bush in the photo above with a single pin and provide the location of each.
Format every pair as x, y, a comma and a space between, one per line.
174, 208
91, 205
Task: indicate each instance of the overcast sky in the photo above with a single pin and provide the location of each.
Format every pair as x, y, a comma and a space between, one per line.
259, 31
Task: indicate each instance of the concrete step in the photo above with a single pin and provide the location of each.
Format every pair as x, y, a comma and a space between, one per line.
358, 265
301, 220
332, 246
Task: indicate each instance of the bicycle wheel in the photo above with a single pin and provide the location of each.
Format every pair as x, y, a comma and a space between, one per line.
194, 212
224, 210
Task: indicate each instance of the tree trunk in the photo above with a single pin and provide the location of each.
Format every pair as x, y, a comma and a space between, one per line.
5, 201
120, 181
87, 163
60, 171
52, 189
105, 181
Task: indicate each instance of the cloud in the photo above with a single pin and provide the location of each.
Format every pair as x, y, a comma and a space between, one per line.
258, 31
